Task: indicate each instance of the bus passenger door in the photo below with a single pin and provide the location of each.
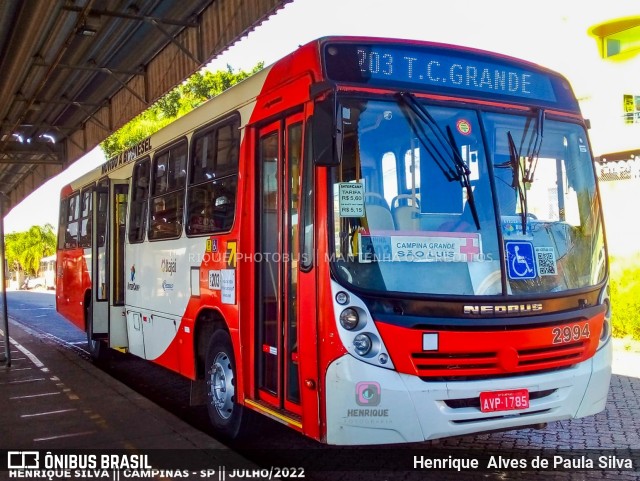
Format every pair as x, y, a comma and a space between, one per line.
277, 274
99, 259
107, 254
118, 276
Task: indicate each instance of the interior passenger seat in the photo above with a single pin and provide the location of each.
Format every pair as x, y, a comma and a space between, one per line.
406, 214
378, 213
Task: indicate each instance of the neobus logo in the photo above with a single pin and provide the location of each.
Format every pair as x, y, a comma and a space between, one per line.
502, 309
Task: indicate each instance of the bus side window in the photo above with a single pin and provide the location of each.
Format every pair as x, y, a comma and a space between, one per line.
71, 221
167, 192
211, 196
62, 223
86, 210
139, 201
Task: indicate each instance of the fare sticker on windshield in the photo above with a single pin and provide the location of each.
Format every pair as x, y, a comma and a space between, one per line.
351, 199
459, 247
436, 247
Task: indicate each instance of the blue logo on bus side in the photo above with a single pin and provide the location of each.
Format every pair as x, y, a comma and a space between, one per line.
520, 260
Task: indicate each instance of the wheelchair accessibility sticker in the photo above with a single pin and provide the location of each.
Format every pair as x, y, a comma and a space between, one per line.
521, 262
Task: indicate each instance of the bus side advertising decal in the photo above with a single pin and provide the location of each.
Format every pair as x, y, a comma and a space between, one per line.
127, 156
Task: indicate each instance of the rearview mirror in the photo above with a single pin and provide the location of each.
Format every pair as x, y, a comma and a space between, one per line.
326, 132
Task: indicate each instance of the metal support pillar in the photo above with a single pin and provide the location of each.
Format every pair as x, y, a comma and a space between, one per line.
3, 287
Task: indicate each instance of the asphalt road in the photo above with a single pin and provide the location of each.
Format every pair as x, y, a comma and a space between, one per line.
606, 439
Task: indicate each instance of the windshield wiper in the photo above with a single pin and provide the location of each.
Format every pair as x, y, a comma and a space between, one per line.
524, 167
459, 171
465, 179
518, 180
414, 111
534, 153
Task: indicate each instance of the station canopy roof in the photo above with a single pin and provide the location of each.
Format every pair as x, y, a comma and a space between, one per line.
74, 71
619, 156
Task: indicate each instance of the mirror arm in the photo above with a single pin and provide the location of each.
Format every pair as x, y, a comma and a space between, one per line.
318, 88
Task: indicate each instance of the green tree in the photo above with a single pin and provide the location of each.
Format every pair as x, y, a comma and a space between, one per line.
196, 90
625, 296
24, 250
13, 247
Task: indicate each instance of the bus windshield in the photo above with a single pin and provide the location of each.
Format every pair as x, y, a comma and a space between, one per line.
454, 201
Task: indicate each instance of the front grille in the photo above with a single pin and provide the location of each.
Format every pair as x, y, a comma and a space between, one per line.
479, 377
462, 354
500, 416
561, 352
504, 361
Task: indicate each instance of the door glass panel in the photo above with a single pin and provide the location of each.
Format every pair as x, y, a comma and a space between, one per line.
102, 206
269, 273
86, 212
294, 153
73, 213
119, 232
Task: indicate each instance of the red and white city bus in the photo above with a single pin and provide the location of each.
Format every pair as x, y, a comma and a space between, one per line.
371, 241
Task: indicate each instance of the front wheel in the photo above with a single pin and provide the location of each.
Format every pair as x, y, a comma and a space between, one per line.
225, 413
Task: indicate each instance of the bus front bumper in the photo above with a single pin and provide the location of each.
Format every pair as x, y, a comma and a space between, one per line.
370, 405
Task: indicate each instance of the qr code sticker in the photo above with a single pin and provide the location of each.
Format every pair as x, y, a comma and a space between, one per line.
546, 261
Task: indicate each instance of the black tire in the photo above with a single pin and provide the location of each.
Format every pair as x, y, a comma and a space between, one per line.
226, 415
97, 348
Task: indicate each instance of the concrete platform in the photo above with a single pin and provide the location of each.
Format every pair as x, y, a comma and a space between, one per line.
50, 398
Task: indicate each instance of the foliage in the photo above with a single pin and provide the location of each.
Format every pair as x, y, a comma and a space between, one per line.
625, 296
197, 89
24, 250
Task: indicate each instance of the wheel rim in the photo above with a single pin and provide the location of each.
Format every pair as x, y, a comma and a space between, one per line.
221, 387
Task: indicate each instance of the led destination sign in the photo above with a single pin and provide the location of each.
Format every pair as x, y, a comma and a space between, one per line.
442, 70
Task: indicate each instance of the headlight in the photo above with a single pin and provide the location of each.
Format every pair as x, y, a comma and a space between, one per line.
342, 298
362, 344
606, 331
349, 319
357, 328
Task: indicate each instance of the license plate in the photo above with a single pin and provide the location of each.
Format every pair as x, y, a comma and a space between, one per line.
491, 401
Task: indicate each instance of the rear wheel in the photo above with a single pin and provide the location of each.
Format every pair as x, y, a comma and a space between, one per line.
226, 415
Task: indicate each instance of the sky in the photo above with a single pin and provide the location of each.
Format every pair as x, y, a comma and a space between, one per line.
549, 32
